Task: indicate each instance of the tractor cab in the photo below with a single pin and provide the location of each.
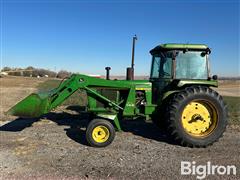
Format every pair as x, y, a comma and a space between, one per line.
175, 62
180, 61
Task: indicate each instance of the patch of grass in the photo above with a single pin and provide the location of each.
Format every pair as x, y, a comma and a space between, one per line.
233, 104
48, 85
77, 98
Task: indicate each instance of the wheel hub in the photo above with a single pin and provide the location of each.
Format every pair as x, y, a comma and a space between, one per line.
197, 118
100, 134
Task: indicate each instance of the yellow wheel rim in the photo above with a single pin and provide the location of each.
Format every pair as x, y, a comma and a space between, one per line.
199, 118
100, 134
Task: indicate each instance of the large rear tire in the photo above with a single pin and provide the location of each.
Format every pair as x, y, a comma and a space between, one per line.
197, 117
159, 116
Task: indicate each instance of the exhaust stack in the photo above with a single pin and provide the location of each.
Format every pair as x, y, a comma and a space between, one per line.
130, 70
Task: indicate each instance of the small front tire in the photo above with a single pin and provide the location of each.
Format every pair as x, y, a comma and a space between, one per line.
100, 133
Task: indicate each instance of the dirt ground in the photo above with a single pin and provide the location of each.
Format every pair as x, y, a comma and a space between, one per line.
229, 88
54, 147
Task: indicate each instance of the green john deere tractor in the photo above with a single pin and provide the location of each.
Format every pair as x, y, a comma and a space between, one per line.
178, 96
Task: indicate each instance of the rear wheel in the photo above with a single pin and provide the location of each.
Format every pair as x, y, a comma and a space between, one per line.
100, 133
197, 117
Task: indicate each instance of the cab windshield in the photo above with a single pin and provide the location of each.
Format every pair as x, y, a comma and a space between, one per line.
191, 65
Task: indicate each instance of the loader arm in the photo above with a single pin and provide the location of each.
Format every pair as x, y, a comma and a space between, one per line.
41, 103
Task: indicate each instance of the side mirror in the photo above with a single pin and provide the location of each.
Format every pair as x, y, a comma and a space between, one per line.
203, 54
214, 77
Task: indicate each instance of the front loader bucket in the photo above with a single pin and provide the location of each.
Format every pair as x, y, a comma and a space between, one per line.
33, 105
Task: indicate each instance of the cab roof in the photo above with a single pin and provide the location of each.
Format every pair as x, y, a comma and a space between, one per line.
174, 46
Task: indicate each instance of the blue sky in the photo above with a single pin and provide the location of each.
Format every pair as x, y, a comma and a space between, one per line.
86, 36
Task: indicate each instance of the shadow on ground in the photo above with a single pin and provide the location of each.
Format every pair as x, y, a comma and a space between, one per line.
78, 122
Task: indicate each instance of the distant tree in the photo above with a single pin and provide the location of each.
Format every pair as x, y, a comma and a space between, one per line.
31, 71
6, 69
16, 73
51, 74
34, 73
44, 72
63, 74
30, 68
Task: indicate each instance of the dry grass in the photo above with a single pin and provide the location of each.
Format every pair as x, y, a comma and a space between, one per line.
233, 104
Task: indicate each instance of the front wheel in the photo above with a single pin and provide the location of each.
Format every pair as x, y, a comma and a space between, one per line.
197, 117
100, 133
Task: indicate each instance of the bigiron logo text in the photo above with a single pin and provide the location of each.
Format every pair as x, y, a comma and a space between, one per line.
202, 171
